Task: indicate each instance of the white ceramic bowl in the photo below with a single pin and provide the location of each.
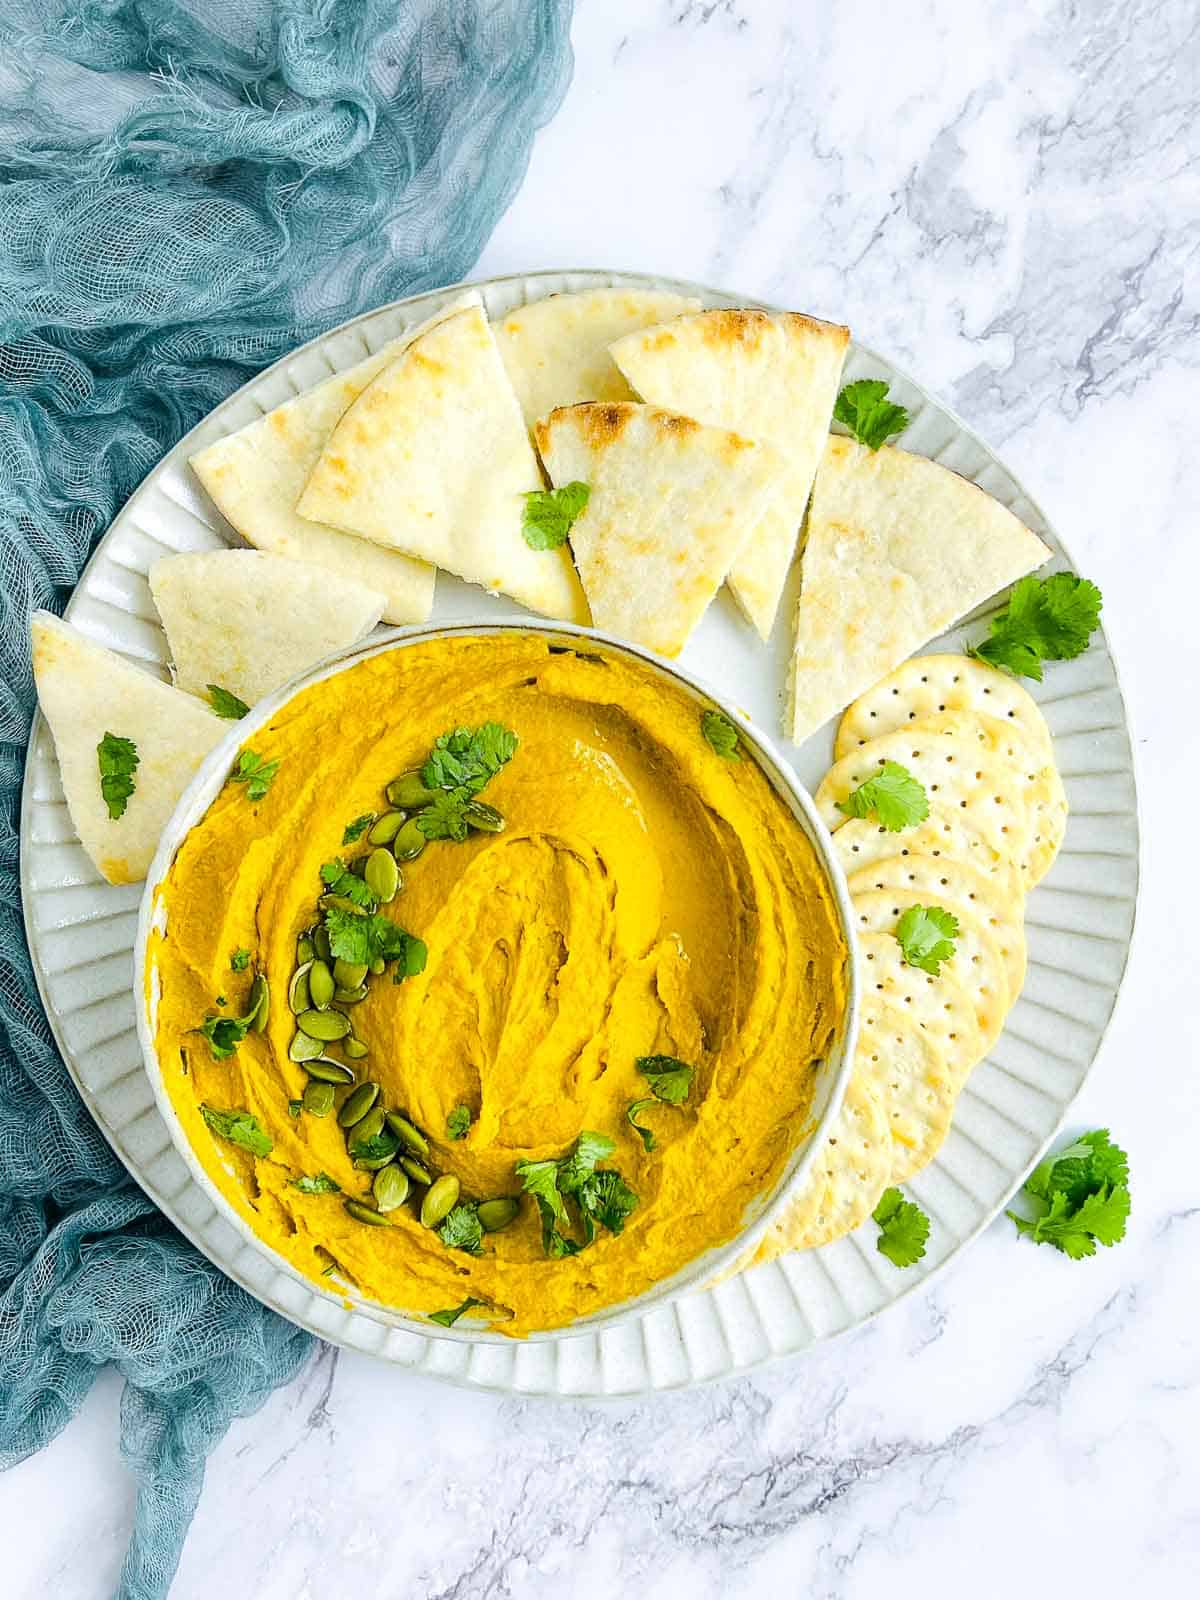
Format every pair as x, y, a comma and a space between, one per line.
761, 1209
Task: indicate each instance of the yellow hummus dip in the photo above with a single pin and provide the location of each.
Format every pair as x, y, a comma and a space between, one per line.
645, 897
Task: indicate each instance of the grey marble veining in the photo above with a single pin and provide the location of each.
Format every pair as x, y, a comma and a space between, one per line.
1006, 199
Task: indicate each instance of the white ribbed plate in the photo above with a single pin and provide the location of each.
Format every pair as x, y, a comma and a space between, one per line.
1079, 922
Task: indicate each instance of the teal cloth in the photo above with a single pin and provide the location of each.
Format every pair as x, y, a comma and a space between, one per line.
188, 188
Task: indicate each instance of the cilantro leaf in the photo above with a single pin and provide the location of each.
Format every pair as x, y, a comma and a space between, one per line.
1081, 1195
450, 1317
926, 936
240, 959
549, 514
338, 879
469, 757
361, 939
445, 817
1045, 619
721, 735
224, 1034
226, 704
458, 1122
295, 1107
670, 1079
258, 775
118, 761
240, 1128
374, 1148
410, 958
865, 409
321, 1183
600, 1197
607, 1199
356, 829
903, 1229
893, 794
632, 1111
575, 1169
462, 1230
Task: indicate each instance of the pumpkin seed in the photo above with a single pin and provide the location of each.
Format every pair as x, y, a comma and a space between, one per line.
382, 875
371, 1125
412, 1138
339, 901
483, 817
372, 1163
368, 1214
416, 1171
497, 1214
409, 842
320, 985
317, 1098
304, 948
355, 1049
259, 1009
388, 826
298, 996
350, 997
327, 1025
303, 1048
408, 792
356, 1104
390, 1188
326, 1070
440, 1200
320, 940
349, 974
377, 967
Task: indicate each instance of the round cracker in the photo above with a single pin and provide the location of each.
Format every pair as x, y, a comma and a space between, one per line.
928, 685
939, 1006
908, 1073
960, 888
845, 1181
862, 842
977, 963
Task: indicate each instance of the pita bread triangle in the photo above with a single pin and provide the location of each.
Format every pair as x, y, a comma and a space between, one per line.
85, 692
671, 503
256, 475
249, 621
897, 549
434, 459
556, 350
773, 378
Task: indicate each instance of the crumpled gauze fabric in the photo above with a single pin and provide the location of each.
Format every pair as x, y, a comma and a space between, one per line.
188, 188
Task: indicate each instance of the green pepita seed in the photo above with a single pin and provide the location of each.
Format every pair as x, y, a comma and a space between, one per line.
377, 967
440, 1200
298, 996
349, 974
356, 1105
368, 1214
304, 949
350, 997
320, 985
355, 1049
388, 826
327, 1025
320, 940
326, 1070
259, 1009
408, 793
371, 1125
411, 1138
409, 842
497, 1214
303, 1048
483, 817
328, 901
382, 875
416, 1171
390, 1188
317, 1099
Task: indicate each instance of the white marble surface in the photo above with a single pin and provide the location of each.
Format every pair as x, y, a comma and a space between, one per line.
1006, 198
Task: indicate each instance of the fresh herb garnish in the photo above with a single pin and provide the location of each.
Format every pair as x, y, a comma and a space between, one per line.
224, 1034
295, 1107
240, 1128
356, 829
670, 1081
321, 1183
363, 939
449, 1318
258, 775
903, 1229
1081, 1196
462, 1230
445, 817
118, 761
632, 1112
926, 936
721, 734
599, 1197
469, 757
338, 879
549, 514
1046, 619
458, 1122
222, 1000
226, 704
240, 959
893, 794
871, 417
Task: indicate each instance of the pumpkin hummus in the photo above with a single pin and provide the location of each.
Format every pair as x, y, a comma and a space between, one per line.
644, 897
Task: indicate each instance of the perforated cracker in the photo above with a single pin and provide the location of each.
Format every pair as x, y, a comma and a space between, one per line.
861, 842
927, 686
939, 1006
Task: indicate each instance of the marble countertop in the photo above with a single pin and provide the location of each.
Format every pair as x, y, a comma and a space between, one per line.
1006, 199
